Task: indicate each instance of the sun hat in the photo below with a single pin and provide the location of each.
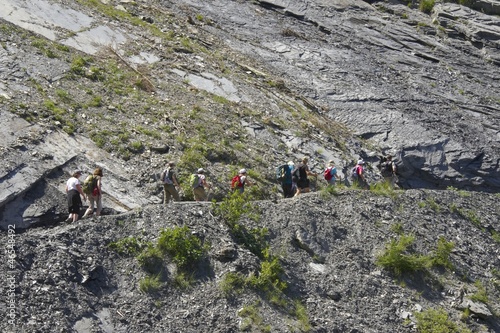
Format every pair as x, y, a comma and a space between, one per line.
291, 163
243, 171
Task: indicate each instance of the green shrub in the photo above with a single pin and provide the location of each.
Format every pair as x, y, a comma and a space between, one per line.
150, 283
437, 321
78, 65
252, 320
128, 246
480, 295
302, 317
442, 253
397, 228
136, 146
235, 206
183, 280
232, 283
151, 259
433, 204
269, 277
426, 6
184, 248
328, 191
495, 235
383, 188
471, 215
397, 260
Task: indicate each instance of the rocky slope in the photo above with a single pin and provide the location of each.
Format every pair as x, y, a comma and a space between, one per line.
69, 278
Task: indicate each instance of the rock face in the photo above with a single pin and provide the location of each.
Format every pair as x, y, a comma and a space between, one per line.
388, 77
69, 278
130, 85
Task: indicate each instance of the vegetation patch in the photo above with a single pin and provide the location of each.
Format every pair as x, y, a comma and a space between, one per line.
437, 321
252, 319
182, 246
399, 258
383, 189
130, 246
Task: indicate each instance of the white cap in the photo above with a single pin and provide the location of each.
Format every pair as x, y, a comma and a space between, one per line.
361, 162
243, 171
200, 170
291, 163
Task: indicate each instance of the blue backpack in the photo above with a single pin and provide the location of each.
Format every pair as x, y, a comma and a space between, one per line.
283, 173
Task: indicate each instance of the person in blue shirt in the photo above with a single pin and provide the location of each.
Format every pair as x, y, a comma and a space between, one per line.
287, 184
333, 173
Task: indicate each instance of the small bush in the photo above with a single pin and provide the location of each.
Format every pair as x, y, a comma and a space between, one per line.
150, 283
151, 259
396, 259
426, 6
183, 280
232, 283
383, 188
234, 207
136, 146
269, 277
184, 248
480, 295
128, 246
252, 319
437, 321
433, 204
442, 253
328, 191
495, 235
302, 317
397, 228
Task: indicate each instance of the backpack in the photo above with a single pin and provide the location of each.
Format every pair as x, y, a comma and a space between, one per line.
89, 185
194, 180
386, 169
283, 173
327, 174
166, 176
236, 182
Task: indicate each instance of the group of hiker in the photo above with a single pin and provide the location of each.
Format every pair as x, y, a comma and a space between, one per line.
198, 183
294, 181
90, 190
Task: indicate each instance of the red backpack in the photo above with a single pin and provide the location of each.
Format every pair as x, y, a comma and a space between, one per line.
236, 182
327, 174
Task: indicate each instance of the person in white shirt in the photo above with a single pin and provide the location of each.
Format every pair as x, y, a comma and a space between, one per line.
74, 190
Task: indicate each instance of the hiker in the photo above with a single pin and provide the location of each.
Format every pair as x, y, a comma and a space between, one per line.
287, 185
388, 169
239, 181
284, 176
199, 184
170, 183
300, 174
95, 197
358, 175
74, 190
330, 174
